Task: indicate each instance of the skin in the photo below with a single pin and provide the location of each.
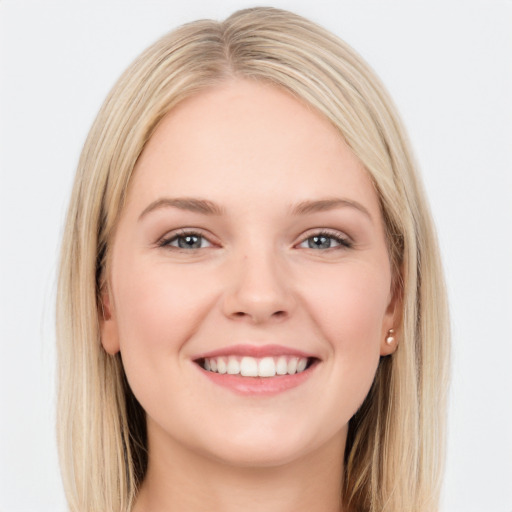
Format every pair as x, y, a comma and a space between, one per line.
255, 152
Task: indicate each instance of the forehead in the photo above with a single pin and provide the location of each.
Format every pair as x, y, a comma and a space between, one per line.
249, 139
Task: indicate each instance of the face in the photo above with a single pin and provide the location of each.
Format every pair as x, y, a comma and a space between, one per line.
250, 284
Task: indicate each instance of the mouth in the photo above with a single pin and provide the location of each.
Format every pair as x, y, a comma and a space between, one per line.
262, 367
250, 370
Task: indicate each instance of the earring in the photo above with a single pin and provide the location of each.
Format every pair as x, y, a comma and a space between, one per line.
390, 339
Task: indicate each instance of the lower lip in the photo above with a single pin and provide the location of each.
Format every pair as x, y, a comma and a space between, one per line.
260, 386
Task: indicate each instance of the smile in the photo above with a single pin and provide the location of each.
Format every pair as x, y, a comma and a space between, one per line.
256, 367
257, 370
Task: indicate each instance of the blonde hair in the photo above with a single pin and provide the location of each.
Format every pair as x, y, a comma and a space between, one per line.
394, 452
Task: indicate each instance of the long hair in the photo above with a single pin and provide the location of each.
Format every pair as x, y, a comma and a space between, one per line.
394, 451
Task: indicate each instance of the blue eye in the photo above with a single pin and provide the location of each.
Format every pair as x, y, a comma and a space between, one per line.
324, 241
186, 241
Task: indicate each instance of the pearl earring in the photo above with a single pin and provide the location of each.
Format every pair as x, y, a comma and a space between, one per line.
390, 339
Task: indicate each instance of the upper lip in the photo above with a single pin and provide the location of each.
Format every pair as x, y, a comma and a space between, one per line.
256, 351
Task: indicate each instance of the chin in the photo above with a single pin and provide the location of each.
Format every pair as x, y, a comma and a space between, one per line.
265, 446
258, 456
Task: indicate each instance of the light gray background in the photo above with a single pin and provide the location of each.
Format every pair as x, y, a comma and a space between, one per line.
447, 64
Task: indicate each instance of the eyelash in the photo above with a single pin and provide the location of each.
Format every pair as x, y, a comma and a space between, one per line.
166, 241
344, 243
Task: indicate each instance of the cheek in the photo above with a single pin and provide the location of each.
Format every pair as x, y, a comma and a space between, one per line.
352, 308
350, 313
158, 308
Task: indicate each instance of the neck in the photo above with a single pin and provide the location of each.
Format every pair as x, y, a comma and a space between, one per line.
178, 479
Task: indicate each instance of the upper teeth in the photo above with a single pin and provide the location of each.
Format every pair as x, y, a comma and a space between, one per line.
253, 367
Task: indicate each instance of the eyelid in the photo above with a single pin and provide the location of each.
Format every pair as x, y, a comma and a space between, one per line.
344, 240
165, 240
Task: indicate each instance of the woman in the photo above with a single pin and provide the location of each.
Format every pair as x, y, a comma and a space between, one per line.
251, 309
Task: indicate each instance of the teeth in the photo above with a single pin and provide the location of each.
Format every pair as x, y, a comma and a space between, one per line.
222, 367
292, 365
267, 367
301, 365
233, 365
253, 367
282, 366
249, 367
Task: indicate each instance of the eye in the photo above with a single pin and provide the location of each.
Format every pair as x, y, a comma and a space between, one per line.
185, 240
325, 240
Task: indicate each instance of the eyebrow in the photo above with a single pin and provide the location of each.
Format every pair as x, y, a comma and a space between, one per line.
184, 203
322, 205
206, 207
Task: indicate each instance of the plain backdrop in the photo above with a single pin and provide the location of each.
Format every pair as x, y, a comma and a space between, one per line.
448, 66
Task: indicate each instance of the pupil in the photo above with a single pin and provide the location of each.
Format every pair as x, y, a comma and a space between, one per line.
319, 242
189, 242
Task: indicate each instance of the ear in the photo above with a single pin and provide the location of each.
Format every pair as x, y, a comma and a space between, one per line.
108, 324
392, 324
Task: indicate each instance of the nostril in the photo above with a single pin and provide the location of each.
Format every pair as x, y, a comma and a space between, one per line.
278, 314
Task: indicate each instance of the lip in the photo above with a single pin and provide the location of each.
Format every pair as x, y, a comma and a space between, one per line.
257, 386
257, 351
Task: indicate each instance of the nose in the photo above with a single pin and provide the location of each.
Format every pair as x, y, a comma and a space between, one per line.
259, 290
